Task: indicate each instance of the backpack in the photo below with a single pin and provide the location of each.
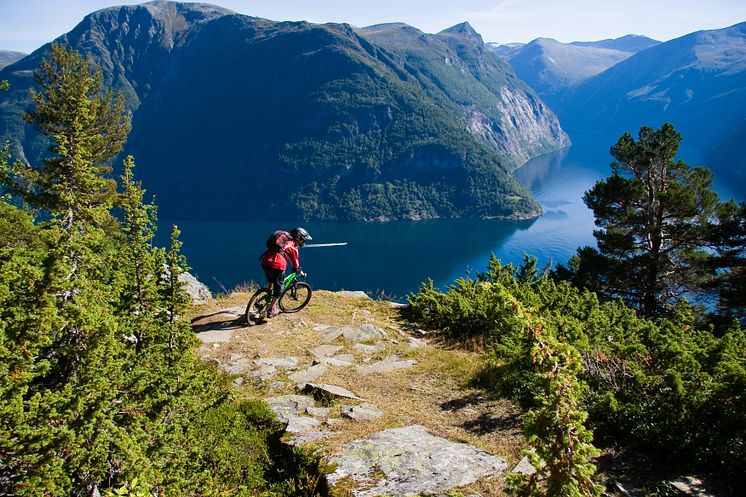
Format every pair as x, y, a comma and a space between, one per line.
276, 240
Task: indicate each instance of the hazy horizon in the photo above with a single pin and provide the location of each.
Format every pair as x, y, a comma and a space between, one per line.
27, 25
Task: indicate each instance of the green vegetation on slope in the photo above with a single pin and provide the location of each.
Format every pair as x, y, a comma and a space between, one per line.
669, 386
100, 384
644, 367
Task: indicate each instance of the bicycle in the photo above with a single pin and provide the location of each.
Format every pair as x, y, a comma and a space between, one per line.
295, 296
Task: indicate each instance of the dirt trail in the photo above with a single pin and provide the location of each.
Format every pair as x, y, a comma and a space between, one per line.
348, 368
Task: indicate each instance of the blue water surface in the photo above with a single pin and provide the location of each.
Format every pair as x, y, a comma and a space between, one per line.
390, 260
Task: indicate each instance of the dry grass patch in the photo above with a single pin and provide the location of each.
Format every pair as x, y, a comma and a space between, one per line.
435, 393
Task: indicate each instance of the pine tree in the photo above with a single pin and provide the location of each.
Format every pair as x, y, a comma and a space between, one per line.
556, 428
87, 129
730, 263
655, 216
140, 263
66, 436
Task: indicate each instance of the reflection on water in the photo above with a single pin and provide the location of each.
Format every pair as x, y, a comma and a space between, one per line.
392, 259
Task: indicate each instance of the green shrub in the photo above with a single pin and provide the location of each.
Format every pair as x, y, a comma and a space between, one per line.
665, 385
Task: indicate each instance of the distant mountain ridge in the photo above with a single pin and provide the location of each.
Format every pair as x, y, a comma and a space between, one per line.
551, 67
241, 117
697, 82
8, 57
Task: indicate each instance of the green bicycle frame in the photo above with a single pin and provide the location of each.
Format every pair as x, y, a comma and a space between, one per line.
289, 280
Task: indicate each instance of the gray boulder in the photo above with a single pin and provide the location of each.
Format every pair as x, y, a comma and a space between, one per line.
308, 375
324, 391
404, 461
363, 412
390, 363
354, 334
197, 290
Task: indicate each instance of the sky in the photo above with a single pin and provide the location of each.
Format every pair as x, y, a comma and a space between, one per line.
25, 25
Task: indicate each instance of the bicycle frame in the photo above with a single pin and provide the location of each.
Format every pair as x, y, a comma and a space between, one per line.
289, 280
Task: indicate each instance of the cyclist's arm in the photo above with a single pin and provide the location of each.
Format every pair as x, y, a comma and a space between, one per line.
291, 251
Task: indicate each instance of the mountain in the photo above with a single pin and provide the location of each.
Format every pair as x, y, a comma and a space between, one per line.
242, 117
7, 57
503, 49
628, 43
480, 87
696, 82
550, 67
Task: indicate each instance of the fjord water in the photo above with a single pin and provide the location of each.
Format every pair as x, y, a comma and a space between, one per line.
392, 259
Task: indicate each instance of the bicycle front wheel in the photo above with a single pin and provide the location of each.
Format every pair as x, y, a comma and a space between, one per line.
256, 310
296, 297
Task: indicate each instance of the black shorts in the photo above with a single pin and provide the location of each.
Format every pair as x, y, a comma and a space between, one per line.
275, 279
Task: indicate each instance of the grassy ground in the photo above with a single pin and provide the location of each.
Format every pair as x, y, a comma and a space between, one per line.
436, 393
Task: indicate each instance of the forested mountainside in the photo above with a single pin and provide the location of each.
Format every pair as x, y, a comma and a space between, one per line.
241, 117
496, 105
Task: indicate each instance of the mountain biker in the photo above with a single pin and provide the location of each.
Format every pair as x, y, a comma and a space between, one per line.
274, 263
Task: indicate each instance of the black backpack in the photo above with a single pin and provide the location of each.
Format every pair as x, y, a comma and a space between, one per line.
276, 240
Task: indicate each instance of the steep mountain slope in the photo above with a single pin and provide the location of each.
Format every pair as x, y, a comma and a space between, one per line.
7, 57
550, 67
240, 117
697, 82
454, 67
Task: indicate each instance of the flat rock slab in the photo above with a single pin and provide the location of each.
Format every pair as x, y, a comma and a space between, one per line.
339, 360
524, 467
692, 486
265, 373
325, 351
386, 366
301, 424
215, 336
285, 406
370, 349
311, 436
278, 362
289, 409
236, 367
354, 334
318, 412
363, 412
308, 375
326, 391
404, 461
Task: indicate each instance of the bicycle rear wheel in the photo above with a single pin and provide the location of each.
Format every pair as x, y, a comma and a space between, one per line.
296, 297
258, 306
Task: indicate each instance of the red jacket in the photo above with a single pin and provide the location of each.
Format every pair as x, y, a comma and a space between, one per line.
278, 260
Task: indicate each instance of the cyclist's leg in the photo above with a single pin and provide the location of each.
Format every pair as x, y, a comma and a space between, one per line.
275, 278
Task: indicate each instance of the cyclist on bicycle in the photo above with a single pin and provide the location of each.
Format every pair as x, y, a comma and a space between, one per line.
274, 263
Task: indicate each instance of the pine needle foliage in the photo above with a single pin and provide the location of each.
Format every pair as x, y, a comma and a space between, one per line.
101, 389
663, 233
562, 444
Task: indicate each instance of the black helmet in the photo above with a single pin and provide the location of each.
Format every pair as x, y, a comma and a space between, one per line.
300, 235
